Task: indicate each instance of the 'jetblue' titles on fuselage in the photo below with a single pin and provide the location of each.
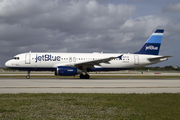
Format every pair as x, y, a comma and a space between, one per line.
47, 57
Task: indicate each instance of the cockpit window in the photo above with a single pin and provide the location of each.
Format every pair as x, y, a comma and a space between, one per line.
16, 58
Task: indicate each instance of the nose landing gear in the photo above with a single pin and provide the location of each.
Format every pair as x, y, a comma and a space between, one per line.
28, 75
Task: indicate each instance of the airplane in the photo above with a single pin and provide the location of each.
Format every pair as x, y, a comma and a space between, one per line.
71, 64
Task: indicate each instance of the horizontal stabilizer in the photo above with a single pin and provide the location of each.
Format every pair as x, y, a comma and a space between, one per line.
160, 58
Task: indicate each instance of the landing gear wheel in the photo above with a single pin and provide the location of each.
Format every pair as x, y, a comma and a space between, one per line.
81, 76
28, 77
86, 76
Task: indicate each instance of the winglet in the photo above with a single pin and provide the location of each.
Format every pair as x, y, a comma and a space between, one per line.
152, 45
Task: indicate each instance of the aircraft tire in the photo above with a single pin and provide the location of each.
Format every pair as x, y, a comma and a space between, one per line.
28, 77
81, 76
86, 76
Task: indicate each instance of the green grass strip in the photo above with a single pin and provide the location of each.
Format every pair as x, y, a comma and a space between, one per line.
89, 106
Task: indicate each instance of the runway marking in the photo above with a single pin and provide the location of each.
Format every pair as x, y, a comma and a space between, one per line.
92, 87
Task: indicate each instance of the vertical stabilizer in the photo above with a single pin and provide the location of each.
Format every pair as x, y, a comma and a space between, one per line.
152, 45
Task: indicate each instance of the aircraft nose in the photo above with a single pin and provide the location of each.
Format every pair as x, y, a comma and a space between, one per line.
7, 64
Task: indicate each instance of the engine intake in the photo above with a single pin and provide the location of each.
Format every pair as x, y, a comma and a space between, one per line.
67, 71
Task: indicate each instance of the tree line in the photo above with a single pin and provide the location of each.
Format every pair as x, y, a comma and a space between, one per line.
157, 68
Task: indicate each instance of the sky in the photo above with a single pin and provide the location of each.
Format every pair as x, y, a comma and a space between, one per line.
86, 26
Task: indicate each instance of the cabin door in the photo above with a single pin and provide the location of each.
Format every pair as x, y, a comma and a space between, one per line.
28, 59
136, 60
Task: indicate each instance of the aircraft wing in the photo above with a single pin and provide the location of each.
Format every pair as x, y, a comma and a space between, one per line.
160, 58
95, 62
90, 63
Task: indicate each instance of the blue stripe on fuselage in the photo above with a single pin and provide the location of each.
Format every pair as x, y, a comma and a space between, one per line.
33, 69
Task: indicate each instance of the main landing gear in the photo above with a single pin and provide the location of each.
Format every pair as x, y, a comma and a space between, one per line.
86, 76
28, 75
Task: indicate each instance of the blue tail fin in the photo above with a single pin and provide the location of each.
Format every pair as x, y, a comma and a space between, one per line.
152, 45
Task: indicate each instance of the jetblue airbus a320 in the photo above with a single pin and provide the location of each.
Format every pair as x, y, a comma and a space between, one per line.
71, 64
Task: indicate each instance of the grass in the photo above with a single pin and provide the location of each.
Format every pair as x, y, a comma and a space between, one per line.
89, 106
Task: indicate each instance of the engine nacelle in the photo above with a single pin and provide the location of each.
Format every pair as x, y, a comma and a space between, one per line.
67, 71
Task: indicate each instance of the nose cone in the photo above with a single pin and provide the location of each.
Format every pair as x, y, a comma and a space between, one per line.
8, 64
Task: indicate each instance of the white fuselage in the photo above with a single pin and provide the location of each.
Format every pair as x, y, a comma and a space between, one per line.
50, 61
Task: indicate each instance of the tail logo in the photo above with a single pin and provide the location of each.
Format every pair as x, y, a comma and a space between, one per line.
151, 48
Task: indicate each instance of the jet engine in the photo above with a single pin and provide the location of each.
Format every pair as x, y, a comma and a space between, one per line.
67, 71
